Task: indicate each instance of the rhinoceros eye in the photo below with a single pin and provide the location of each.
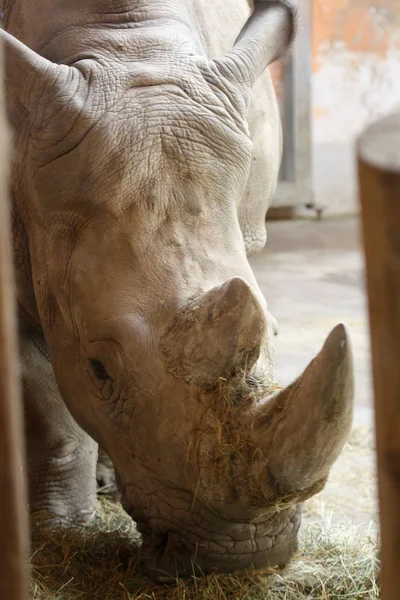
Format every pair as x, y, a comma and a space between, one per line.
99, 370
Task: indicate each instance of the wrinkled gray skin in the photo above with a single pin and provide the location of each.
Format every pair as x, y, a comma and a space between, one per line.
133, 217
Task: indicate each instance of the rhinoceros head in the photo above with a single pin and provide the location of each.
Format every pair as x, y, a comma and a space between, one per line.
132, 163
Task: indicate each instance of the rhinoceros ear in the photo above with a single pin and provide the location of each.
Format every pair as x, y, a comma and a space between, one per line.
27, 71
265, 38
217, 334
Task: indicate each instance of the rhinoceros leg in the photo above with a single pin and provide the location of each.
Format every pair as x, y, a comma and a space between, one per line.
61, 457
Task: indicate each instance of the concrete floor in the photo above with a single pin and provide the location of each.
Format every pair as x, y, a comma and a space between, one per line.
311, 274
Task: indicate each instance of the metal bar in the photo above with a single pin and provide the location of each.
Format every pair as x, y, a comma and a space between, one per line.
296, 186
288, 167
303, 99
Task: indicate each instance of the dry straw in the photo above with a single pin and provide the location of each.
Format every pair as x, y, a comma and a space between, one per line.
100, 562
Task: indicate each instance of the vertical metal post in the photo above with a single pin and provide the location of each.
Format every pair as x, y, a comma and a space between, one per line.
295, 185
303, 100
289, 162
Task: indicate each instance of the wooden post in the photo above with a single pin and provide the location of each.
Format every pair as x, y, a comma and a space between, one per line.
379, 178
13, 504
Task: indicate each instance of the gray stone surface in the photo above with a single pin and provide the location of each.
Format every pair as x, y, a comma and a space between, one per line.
311, 273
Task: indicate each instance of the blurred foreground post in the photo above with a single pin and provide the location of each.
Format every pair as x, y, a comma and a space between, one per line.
13, 504
379, 178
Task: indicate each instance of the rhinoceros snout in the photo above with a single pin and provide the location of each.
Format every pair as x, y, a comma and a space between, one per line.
241, 546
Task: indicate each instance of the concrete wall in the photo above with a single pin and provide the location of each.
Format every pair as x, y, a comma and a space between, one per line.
356, 78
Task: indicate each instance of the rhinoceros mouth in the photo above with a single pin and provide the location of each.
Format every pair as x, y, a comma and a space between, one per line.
167, 555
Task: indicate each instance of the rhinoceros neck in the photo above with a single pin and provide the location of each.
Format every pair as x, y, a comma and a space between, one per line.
38, 22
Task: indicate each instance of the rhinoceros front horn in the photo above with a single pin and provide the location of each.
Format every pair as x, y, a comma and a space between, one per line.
303, 428
219, 333
29, 75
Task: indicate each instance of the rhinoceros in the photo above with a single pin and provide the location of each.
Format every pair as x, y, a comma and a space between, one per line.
147, 145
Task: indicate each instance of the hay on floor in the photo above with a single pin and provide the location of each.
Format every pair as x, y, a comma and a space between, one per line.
99, 561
